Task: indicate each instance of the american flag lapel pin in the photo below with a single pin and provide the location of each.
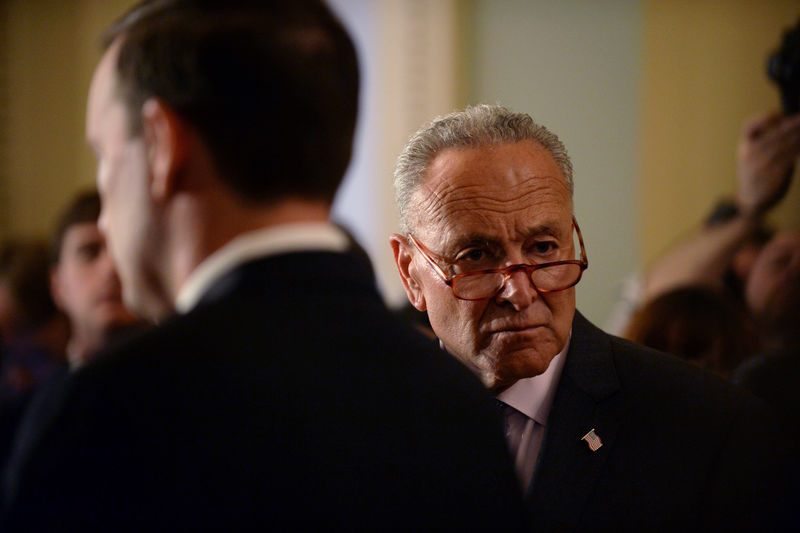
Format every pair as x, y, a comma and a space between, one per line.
593, 440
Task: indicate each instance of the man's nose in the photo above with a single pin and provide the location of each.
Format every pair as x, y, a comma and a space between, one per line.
106, 264
518, 290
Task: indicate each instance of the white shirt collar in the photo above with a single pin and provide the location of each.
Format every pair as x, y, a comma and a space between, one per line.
534, 396
255, 244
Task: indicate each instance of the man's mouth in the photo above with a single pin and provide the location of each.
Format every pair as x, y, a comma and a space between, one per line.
515, 328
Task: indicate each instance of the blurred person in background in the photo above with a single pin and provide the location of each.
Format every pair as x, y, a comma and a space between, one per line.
84, 282
773, 291
84, 285
707, 327
722, 252
773, 295
33, 333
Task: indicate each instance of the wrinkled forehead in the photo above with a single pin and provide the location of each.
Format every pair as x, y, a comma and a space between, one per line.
508, 188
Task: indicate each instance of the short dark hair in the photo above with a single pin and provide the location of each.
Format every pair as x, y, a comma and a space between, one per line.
271, 87
84, 208
25, 271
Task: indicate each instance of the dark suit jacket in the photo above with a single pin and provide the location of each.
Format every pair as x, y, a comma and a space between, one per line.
774, 376
290, 398
681, 450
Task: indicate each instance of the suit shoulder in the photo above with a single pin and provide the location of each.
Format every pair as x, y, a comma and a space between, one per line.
668, 387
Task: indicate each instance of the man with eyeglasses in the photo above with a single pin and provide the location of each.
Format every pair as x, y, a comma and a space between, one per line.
605, 435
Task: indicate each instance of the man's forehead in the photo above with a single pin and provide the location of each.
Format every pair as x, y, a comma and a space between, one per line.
518, 186
101, 90
455, 229
82, 232
498, 173
490, 163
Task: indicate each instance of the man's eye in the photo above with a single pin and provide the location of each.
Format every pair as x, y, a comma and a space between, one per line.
89, 252
544, 247
473, 255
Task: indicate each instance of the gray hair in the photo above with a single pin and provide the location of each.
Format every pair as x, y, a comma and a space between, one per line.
473, 127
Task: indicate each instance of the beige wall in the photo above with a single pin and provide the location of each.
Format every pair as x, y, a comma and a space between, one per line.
573, 65
703, 65
50, 48
648, 95
408, 52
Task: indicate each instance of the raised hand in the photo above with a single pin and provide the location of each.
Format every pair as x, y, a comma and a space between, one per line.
767, 152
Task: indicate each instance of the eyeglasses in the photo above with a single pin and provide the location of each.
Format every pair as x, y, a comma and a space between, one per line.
485, 284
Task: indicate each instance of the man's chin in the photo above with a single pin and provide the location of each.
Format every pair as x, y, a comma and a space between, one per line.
503, 364
118, 319
143, 308
512, 365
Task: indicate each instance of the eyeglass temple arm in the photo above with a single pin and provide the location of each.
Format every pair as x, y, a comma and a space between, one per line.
584, 259
428, 258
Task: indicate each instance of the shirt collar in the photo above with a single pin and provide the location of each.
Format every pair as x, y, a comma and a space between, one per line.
255, 244
533, 396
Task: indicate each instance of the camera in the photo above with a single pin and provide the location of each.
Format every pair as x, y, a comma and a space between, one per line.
783, 67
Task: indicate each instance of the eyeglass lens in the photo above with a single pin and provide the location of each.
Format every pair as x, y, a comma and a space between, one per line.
486, 285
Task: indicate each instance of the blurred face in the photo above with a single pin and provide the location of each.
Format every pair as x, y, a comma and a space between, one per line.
773, 287
492, 207
128, 217
85, 284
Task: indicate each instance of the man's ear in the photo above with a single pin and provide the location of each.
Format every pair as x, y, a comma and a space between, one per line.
402, 258
164, 135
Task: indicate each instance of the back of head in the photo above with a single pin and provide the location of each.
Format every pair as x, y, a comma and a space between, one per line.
706, 327
271, 87
473, 127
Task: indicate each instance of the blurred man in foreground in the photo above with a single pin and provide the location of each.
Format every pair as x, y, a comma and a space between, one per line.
284, 395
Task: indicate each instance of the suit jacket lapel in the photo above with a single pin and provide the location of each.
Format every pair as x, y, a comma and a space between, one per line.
588, 397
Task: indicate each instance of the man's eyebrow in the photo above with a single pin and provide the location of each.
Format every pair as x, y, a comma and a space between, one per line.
544, 229
89, 241
472, 239
476, 238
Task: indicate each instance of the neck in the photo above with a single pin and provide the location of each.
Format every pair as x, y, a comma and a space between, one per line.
81, 347
202, 228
